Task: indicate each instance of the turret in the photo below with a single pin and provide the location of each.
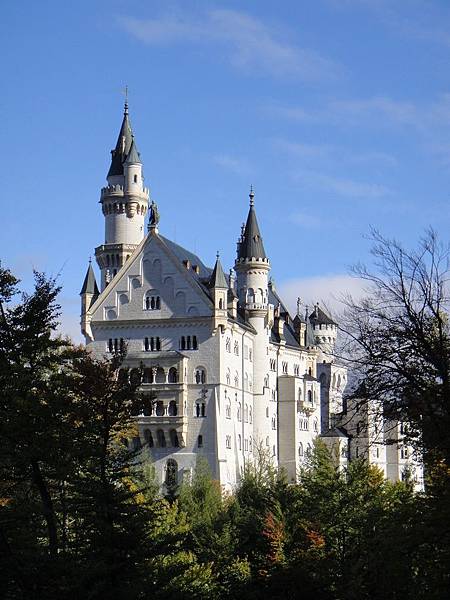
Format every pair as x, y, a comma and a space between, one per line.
219, 292
324, 330
252, 267
89, 294
124, 204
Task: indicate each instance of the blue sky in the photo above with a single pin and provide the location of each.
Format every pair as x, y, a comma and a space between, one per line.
337, 111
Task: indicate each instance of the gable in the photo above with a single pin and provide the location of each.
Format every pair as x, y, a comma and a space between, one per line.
153, 284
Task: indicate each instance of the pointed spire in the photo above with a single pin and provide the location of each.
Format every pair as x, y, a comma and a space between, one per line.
123, 145
251, 245
90, 285
133, 155
217, 278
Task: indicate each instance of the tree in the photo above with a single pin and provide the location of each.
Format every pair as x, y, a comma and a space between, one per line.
398, 339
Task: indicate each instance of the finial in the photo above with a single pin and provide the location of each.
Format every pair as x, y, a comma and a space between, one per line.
125, 110
242, 229
251, 196
299, 303
217, 255
90, 260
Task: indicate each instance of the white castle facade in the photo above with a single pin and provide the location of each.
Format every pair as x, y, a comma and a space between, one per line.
227, 370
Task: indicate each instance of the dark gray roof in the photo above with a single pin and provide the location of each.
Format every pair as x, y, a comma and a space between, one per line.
182, 254
218, 279
288, 331
319, 317
133, 155
120, 152
251, 244
336, 432
90, 285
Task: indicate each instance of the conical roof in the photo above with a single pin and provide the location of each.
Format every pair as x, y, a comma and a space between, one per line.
319, 317
251, 243
123, 145
133, 155
218, 278
90, 285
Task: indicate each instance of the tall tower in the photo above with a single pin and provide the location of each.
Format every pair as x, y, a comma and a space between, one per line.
124, 204
252, 267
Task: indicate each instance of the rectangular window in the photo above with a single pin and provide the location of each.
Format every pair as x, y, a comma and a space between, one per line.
228, 441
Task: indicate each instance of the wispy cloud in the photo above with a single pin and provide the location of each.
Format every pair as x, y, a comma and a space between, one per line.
346, 187
329, 290
250, 44
306, 221
333, 153
374, 111
238, 166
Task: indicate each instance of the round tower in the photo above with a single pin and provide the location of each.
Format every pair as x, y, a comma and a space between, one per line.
124, 204
252, 267
324, 331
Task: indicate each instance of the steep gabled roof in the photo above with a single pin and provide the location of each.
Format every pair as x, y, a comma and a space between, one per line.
133, 157
251, 243
123, 145
90, 284
319, 317
217, 278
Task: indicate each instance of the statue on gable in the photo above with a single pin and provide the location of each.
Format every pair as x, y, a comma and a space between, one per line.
154, 215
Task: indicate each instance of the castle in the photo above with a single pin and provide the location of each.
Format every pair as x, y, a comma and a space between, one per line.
226, 370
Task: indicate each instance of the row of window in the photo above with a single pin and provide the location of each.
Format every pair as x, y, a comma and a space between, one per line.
248, 443
152, 344
158, 374
235, 346
116, 345
284, 367
152, 303
188, 342
161, 441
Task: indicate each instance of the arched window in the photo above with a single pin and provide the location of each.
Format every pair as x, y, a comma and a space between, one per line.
194, 343
135, 178
173, 375
246, 413
161, 438
174, 438
228, 377
300, 449
228, 344
148, 438
236, 348
239, 442
310, 396
246, 381
135, 377
236, 380
250, 418
316, 425
159, 408
267, 441
197, 409
172, 410
239, 414
183, 343
200, 441
171, 473
200, 375
220, 303
203, 410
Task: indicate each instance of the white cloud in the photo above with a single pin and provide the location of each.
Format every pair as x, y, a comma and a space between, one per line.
239, 166
250, 43
327, 290
306, 221
345, 187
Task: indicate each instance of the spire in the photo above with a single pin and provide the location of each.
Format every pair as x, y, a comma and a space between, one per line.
90, 285
217, 278
251, 244
133, 155
123, 145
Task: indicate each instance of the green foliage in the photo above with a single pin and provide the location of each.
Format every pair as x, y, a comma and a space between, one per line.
81, 515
